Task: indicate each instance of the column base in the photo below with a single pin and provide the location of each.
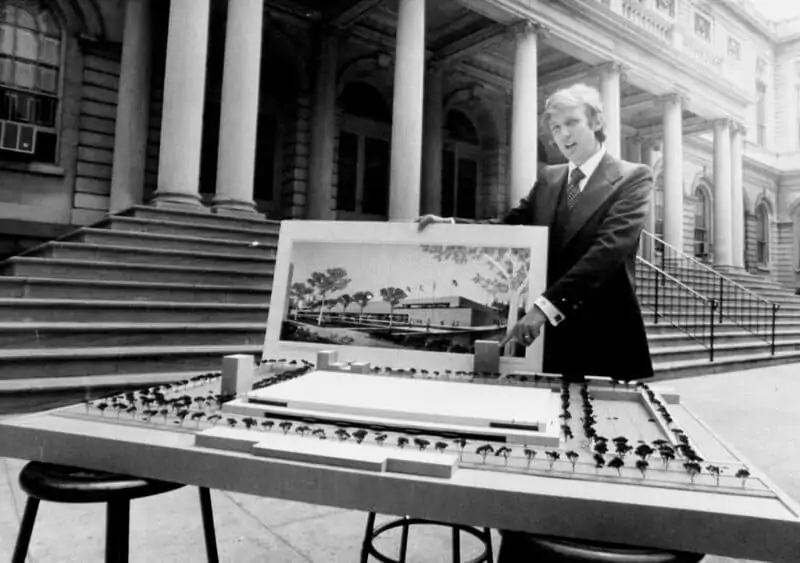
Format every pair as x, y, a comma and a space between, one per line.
234, 207
177, 200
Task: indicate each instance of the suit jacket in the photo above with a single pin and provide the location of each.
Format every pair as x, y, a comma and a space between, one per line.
590, 278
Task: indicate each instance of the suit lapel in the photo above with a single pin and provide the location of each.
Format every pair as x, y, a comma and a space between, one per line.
547, 206
600, 186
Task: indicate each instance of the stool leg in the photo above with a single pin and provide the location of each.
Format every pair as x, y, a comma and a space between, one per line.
403, 541
208, 525
489, 551
25, 531
117, 531
367, 537
456, 545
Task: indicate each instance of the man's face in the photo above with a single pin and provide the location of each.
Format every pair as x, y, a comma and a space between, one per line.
573, 134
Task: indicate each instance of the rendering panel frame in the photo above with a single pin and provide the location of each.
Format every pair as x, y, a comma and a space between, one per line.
396, 272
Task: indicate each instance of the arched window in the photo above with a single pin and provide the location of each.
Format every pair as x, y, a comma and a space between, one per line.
762, 235
702, 223
460, 166
30, 71
364, 156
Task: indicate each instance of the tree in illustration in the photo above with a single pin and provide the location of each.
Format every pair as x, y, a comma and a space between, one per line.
393, 296
509, 271
362, 299
325, 283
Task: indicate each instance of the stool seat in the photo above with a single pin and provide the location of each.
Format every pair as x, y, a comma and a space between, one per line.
60, 483
530, 548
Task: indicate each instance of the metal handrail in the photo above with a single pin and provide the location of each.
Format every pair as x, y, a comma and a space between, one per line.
703, 320
706, 267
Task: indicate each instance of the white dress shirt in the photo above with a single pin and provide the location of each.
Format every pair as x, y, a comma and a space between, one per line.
588, 168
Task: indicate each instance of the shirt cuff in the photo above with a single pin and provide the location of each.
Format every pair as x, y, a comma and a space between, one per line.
452, 220
550, 311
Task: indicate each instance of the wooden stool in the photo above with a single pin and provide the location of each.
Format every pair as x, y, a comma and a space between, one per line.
368, 547
517, 547
58, 483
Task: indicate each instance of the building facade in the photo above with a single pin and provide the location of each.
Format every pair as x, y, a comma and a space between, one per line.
385, 109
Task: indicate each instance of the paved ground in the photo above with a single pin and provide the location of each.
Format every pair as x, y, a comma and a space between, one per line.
756, 411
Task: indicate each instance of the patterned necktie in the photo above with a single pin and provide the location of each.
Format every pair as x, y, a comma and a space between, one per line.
573, 188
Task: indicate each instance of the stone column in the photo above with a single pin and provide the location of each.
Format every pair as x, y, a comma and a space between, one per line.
319, 199
673, 171
610, 76
133, 108
409, 79
525, 114
634, 149
184, 97
737, 194
723, 230
432, 142
236, 157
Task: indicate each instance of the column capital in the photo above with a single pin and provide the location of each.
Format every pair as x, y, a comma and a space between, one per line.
526, 27
674, 98
738, 127
723, 122
611, 67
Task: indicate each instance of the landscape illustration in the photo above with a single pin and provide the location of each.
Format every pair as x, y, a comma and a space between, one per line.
414, 297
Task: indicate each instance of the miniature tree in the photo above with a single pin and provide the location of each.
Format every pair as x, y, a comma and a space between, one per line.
693, 469
131, 410
503, 451
461, 443
344, 435
530, 454
249, 422
196, 416
164, 412
319, 433
402, 442
643, 451
617, 463
232, 422
440, 446
360, 435
715, 471
267, 425
102, 406
421, 443
285, 426
572, 456
601, 447
623, 449
381, 438
667, 454
599, 462
742, 474
484, 450
181, 415
303, 430
214, 418
642, 465
552, 457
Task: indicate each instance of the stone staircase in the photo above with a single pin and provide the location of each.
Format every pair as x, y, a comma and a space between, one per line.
742, 329
142, 296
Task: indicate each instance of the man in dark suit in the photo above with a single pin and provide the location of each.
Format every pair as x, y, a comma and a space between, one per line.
595, 207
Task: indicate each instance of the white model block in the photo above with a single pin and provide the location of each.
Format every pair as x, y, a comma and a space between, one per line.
326, 359
237, 374
323, 452
422, 463
487, 356
231, 439
340, 366
361, 367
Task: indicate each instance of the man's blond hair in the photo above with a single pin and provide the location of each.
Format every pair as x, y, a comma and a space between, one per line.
577, 96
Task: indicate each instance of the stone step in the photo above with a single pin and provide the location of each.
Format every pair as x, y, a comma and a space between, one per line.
696, 351
667, 368
108, 237
201, 216
36, 363
68, 310
665, 340
38, 335
135, 224
109, 290
86, 269
57, 390
664, 327
138, 255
